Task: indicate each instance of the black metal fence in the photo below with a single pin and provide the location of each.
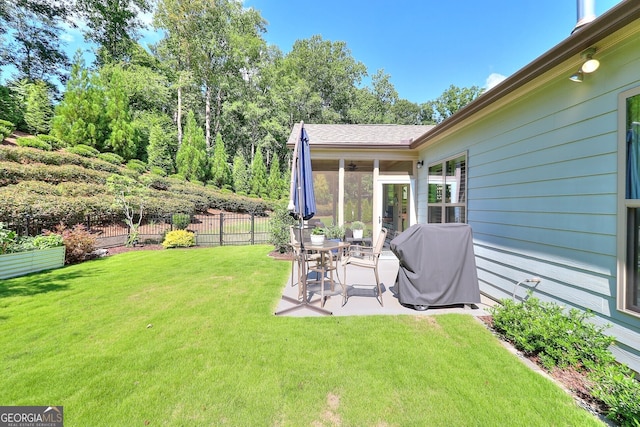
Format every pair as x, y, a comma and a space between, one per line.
219, 229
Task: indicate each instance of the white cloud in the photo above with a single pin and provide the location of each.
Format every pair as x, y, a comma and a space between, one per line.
493, 80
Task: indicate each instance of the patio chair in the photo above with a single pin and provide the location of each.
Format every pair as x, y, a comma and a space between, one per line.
367, 257
299, 257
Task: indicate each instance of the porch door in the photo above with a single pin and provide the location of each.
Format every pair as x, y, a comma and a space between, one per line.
396, 206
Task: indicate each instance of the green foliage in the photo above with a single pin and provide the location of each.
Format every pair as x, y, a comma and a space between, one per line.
10, 242
191, 159
334, 231
180, 221
258, 175
33, 142
4, 132
78, 241
52, 141
318, 231
163, 145
130, 196
7, 124
137, 166
274, 183
220, 173
616, 386
241, 182
280, 220
38, 108
83, 150
558, 338
7, 239
452, 100
11, 110
565, 339
179, 239
50, 240
123, 137
112, 158
357, 225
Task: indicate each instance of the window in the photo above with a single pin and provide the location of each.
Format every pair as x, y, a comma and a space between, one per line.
447, 182
630, 293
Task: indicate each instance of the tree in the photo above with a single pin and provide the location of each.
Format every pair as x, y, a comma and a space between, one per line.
131, 197
80, 117
220, 173
112, 25
122, 138
36, 49
191, 159
163, 144
258, 175
452, 100
274, 183
38, 108
241, 182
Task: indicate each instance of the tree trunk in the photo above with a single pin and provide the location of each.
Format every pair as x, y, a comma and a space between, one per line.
207, 118
179, 116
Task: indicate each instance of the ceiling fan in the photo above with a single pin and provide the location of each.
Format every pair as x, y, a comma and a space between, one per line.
352, 166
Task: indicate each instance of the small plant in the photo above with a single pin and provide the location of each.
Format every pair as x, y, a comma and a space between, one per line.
318, 231
357, 225
334, 232
179, 239
180, 221
280, 221
7, 239
78, 241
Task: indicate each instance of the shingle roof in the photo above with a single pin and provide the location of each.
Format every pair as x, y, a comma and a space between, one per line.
359, 135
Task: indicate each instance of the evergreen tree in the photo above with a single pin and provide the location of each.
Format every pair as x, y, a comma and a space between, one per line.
191, 160
80, 116
241, 182
220, 173
38, 108
275, 179
122, 136
258, 175
163, 144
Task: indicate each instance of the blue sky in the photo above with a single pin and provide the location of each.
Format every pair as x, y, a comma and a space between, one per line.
424, 45
427, 45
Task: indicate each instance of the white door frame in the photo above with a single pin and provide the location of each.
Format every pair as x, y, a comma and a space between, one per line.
377, 198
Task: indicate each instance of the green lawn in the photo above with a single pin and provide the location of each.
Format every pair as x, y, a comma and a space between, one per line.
188, 338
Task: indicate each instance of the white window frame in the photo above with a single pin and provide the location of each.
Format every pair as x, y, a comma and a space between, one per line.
443, 204
623, 296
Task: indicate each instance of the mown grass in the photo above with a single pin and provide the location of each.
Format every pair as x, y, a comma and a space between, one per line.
188, 337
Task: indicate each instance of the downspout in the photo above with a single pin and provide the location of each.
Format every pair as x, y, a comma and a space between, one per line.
586, 13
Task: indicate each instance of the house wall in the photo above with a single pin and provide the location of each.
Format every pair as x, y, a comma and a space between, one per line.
542, 192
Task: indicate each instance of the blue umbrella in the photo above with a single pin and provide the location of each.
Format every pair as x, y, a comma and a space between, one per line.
302, 199
633, 180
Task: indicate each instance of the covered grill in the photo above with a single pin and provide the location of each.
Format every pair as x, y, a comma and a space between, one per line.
437, 266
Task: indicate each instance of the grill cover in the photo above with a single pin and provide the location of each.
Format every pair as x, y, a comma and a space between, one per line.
437, 265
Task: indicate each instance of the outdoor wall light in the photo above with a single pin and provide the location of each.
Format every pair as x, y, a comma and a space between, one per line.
577, 77
420, 164
590, 64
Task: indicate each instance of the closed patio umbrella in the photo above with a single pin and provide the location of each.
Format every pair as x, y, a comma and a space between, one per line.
302, 199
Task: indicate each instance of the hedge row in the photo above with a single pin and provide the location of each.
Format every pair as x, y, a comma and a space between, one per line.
59, 158
13, 173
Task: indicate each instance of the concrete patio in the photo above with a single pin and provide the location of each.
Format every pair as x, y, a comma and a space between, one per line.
363, 302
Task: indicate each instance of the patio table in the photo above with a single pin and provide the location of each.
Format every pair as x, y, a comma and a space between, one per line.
330, 253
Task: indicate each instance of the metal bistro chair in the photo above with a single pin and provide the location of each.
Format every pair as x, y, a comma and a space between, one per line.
367, 257
299, 257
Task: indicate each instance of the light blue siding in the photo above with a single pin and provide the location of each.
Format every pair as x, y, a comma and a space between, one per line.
542, 192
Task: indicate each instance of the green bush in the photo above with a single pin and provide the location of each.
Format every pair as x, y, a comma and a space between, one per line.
179, 239
54, 142
558, 338
10, 242
564, 339
112, 158
7, 124
180, 221
156, 170
33, 142
83, 150
280, 221
4, 132
137, 166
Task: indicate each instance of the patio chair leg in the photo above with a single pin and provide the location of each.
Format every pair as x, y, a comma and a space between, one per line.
379, 296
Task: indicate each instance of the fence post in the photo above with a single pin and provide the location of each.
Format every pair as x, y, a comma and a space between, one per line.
88, 222
221, 228
253, 223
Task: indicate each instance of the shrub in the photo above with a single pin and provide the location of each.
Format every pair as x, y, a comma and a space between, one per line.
4, 132
49, 240
615, 385
558, 338
7, 124
83, 150
78, 241
54, 142
28, 141
7, 239
137, 166
112, 158
280, 221
179, 239
180, 221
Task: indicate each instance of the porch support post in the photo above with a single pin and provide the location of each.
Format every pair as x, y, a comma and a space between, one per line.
341, 192
377, 209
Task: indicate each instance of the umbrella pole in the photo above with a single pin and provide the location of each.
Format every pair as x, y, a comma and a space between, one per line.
302, 265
